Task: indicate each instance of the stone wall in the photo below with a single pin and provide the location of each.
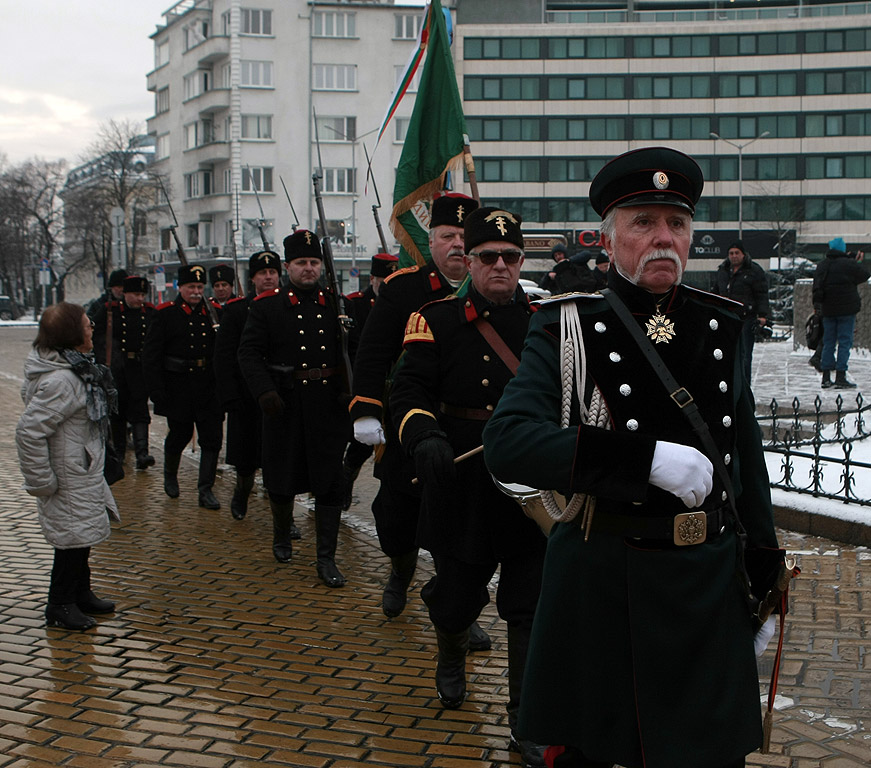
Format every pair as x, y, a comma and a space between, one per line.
803, 306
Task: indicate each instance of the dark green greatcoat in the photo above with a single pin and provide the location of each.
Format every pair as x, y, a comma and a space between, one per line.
642, 654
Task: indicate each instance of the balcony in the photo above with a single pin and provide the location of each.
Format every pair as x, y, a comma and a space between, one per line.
215, 100
211, 153
199, 207
156, 78
210, 50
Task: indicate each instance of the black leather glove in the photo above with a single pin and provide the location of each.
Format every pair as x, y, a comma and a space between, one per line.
271, 403
434, 461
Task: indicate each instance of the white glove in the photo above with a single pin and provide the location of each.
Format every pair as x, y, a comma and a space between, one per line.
683, 471
763, 636
368, 431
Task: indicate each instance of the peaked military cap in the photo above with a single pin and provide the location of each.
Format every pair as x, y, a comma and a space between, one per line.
451, 208
191, 273
264, 260
383, 264
117, 278
222, 272
302, 244
646, 177
484, 225
135, 284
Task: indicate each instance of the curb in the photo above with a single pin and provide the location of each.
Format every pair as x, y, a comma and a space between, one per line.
823, 526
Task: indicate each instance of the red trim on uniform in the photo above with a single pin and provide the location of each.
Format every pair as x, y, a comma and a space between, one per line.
471, 312
434, 282
268, 292
292, 298
321, 299
355, 295
188, 309
239, 298
165, 304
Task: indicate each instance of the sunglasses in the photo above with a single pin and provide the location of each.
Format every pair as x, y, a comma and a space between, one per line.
489, 258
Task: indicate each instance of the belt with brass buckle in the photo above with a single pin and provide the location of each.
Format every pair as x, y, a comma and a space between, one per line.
690, 528
683, 530
315, 373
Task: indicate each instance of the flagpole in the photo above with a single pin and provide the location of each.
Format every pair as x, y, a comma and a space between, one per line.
470, 168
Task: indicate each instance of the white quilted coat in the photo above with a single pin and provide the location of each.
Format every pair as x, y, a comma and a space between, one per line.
61, 454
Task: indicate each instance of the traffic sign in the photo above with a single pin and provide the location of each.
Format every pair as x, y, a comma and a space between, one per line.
355, 272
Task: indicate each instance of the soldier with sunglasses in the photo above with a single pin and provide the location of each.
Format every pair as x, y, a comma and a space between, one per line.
460, 352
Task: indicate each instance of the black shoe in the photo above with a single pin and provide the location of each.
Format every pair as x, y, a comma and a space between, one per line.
451, 667
208, 500
329, 574
282, 551
531, 754
479, 640
842, 382
239, 504
327, 521
68, 616
170, 486
395, 596
144, 460
95, 606
827, 382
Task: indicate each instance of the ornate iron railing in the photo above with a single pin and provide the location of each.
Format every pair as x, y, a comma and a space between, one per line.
818, 441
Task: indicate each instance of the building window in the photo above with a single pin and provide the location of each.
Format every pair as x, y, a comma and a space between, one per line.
256, 74
504, 128
508, 170
256, 126
336, 128
161, 101
262, 179
196, 83
199, 133
414, 83
256, 21
199, 184
335, 24
339, 180
401, 124
161, 148
495, 88
161, 54
406, 26
334, 77
196, 33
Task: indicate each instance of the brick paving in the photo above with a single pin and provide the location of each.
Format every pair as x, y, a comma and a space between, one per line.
219, 657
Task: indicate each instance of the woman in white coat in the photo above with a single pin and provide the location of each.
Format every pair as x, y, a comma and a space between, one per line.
61, 439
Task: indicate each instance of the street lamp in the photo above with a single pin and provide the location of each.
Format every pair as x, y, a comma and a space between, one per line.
740, 148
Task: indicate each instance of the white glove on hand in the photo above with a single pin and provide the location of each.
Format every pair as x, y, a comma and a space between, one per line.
683, 471
368, 431
763, 636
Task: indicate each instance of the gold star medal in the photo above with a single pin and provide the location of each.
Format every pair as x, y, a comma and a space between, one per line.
660, 328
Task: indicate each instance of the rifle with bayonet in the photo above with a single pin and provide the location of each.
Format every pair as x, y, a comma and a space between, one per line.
182, 256
345, 322
261, 222
377, 204
287, 195
234, 229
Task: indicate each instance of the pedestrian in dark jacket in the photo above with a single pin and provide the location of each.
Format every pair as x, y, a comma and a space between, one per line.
741, 279
566, 275
836, 297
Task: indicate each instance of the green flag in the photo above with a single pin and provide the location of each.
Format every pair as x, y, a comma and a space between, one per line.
433, 144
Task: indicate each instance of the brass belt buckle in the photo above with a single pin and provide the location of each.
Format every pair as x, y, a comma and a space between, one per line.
690, 528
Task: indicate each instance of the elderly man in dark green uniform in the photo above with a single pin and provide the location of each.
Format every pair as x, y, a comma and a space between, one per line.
642, 650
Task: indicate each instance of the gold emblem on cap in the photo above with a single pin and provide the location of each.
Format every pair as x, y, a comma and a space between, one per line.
500, 217
460, 212
308, 238
197, 273
660, 180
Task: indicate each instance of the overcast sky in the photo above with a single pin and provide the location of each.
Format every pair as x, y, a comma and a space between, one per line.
66, 67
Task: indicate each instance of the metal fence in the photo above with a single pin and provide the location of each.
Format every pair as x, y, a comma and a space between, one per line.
818, 443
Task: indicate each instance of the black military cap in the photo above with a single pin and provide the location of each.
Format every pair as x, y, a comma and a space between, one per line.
484, 225
191, 273
383, 264
302, 244
451, 208
263, 260
117, 278
135, 284
646, 177
222, 272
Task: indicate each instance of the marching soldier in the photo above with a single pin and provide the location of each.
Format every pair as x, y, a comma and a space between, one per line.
119, 335
361, 302
460, 353
178, 362
397, 504
290, 355
243, 414
222, 279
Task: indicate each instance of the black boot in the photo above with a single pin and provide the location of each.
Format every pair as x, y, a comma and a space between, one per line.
170, 474
401, 573
239, 502
479, 640
282, 517
327, 528
67, 616
531, 754
144, 460
119, 438
827, 380
451, 667
349, 475
842, 382
206, 479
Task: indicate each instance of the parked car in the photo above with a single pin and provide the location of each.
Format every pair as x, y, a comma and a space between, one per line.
9, 309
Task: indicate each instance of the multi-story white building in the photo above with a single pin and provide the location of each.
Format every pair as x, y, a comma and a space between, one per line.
235, 86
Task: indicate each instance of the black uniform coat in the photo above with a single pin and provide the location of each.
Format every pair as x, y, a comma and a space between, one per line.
447, 361
294, 332
243, 413
178, 362
129, 327
640, 655
360, 303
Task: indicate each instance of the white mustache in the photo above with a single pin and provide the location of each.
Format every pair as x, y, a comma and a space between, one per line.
658, 254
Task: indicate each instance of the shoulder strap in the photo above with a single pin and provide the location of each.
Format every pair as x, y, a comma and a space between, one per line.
499, 346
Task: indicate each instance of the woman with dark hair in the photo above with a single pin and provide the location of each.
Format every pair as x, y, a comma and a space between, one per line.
61, 439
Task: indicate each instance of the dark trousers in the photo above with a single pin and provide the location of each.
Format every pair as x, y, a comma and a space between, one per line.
70, 575
748, 339
210, 434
